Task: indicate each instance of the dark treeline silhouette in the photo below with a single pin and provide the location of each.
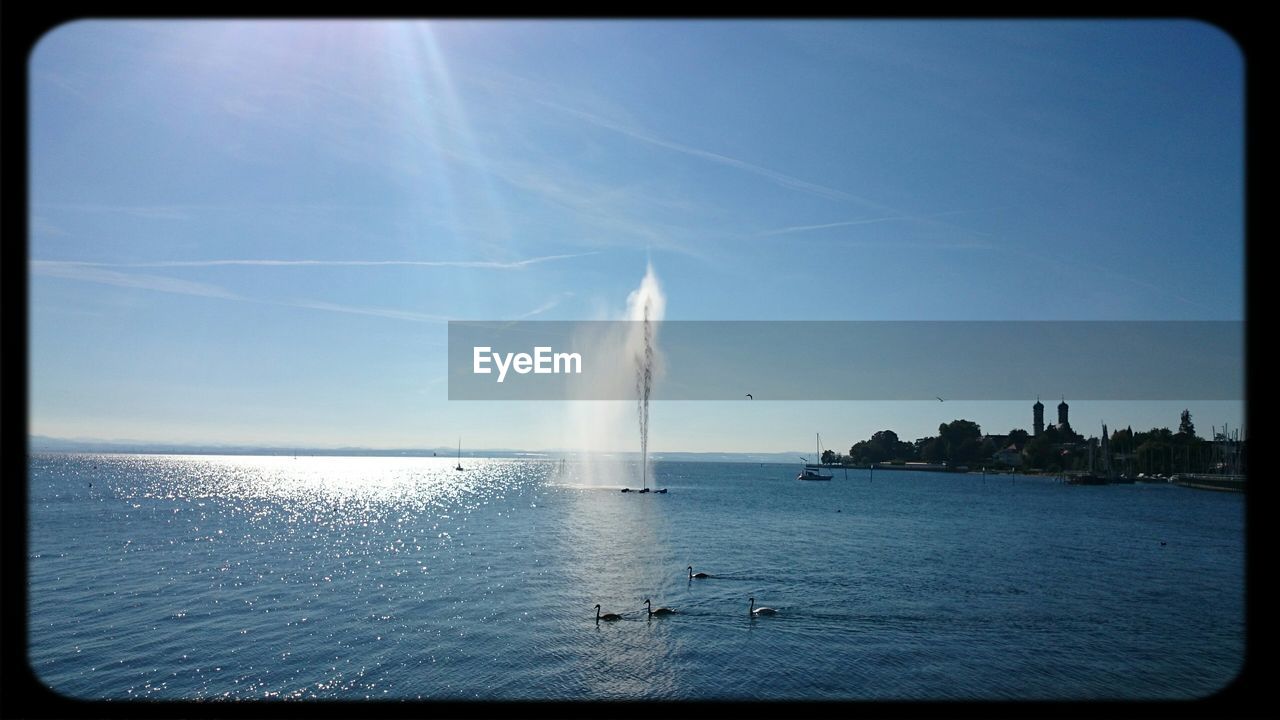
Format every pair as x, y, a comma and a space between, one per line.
1058, 448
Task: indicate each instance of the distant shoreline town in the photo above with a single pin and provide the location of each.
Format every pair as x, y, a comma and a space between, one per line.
1122, 455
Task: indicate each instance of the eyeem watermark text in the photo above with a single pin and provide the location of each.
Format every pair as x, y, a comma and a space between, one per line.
542, 362
742, 360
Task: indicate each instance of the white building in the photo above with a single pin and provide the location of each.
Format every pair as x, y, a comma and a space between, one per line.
1009, 456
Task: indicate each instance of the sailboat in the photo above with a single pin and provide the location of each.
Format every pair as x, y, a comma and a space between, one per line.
813, 471
459, 454
1090, 477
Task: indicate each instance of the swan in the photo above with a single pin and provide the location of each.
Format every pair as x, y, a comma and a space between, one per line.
659, 611
606, 616
761, 610
693, 574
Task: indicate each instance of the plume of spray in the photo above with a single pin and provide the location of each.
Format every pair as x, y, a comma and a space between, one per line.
602, 427
644, 384
645, 308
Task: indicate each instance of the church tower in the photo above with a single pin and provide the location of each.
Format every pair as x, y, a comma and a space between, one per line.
1062, 413
1037, 417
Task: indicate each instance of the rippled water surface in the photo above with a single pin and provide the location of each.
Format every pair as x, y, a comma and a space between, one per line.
176, 577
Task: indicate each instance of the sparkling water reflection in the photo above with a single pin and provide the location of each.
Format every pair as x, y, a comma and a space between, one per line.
249, 577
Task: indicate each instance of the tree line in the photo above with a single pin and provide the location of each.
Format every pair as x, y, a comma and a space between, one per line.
1057, 448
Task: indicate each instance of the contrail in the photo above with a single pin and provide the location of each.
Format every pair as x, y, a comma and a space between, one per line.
355, 310
778, 177
90, 272
488, 264
95, 274
865, 221
546, 306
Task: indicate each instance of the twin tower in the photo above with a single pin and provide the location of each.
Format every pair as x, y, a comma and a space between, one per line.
1037, 415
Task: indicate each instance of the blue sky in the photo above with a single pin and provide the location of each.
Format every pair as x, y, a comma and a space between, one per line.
256, 232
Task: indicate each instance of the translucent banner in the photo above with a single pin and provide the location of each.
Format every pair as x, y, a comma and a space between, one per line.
846, 360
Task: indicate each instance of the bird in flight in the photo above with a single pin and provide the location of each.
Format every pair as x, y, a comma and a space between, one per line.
749, 395
939, 399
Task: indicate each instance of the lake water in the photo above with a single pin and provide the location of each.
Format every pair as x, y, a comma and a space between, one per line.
180, 577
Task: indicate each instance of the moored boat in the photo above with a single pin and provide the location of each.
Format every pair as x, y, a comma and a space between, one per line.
813, 471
